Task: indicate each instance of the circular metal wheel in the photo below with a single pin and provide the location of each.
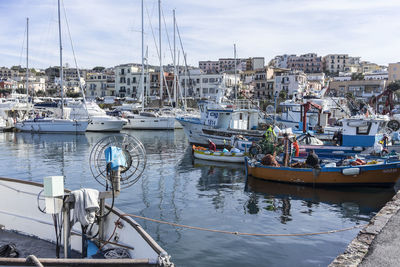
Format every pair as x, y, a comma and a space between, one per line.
394, 125
133, 151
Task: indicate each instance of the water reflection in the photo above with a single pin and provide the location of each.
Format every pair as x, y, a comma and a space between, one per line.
177, 188
352, 200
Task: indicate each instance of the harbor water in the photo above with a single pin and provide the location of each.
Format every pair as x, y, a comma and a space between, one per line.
178, 189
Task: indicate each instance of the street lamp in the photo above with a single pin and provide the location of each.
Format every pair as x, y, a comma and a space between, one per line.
275, 96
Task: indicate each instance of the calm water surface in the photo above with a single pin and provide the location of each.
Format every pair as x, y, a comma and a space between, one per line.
177, 189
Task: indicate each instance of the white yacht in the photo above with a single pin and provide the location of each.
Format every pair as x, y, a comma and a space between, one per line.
148, 121
99, 121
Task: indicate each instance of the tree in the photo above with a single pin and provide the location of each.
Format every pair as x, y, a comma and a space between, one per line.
282, 94
357, 76
98, 69
394, 86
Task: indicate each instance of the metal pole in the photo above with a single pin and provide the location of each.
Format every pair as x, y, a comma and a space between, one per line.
276, 94
234, 50
175, 93
66, 230
161, 66
61, 66
142, 85
27, 62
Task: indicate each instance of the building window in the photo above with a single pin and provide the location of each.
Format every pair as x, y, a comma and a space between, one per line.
205, 80
129, 81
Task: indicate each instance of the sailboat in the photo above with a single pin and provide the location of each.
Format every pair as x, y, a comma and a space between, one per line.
150, 120
51, 125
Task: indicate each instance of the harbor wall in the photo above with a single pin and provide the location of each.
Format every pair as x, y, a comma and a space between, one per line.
360, 245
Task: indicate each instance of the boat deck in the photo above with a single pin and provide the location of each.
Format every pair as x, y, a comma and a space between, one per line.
28, 245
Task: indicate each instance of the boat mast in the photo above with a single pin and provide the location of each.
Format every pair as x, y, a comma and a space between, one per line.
61, 66
175, 73
234, 52
161, 66
27, 61
142, 59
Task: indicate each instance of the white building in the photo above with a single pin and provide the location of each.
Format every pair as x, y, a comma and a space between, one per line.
281, 61
100, 85
203, 85
294, 83
128, 79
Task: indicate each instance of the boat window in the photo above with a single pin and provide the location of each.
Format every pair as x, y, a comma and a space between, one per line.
364, 129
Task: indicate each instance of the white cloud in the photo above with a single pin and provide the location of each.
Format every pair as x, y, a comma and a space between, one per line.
108, 32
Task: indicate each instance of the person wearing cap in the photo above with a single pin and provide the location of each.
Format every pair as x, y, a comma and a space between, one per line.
211, 146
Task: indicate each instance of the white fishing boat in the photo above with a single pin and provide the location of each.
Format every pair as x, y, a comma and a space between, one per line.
219, 155
77, 227
99, 121
220, 122
49, 125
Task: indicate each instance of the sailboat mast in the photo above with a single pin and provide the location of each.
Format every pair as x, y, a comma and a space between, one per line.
161, 66
175, 73
27, 62
142, 59
61, 65
234, 51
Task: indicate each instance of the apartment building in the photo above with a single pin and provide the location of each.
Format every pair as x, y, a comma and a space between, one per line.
198, 84
394, 71
280, 61
209, 66
359, 88
100, 85
308, 63
6, 73
335, 63
294, 83
69, 73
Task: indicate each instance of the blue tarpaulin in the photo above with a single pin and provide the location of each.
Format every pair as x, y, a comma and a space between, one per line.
116, 157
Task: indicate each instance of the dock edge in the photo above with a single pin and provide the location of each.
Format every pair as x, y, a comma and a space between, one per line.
359, 246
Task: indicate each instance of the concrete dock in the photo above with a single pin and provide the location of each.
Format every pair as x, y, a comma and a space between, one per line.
378, 243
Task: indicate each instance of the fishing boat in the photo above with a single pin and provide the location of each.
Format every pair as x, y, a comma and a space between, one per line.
219, 155
222, 121
383, 173
22, 220
77, 226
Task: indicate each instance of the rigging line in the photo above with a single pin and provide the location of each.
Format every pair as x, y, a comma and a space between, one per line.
22, 48
73, 53
184, 54
244, 234
158, 53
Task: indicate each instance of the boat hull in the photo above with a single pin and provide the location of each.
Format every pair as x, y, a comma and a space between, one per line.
105, 125
377, 174
151, 123
221, 157
199, 134
19, 212
52, 126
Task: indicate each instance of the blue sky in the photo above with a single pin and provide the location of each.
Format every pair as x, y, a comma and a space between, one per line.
107, 32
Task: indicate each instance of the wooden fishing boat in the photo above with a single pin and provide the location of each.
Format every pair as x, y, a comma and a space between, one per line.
20, 216
219, 155
382, 174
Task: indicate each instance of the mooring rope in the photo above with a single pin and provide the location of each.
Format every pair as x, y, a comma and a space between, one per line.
240, 233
